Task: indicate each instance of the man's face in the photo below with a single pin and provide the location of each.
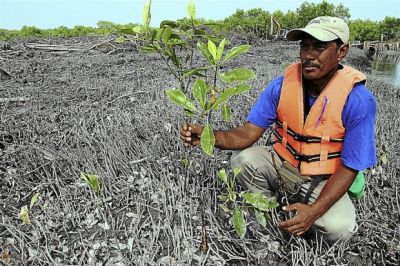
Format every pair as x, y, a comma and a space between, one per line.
319, 58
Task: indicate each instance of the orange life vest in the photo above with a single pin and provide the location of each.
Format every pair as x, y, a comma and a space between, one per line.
314, 146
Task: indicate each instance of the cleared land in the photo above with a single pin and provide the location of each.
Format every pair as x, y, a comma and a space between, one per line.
101, 109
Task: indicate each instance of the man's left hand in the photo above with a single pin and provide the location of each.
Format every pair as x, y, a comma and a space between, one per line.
302, 221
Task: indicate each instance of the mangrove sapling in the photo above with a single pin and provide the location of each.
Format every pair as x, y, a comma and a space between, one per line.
24, 212
201, 90
92, 181
238, 203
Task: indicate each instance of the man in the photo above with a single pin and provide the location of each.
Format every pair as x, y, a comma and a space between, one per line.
323, 120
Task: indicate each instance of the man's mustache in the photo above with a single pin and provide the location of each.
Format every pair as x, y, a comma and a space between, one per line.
310, 64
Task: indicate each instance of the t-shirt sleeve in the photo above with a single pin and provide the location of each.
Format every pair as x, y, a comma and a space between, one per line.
359, 120
263, 113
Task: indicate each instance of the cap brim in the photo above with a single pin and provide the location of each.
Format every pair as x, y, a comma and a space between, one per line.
319, 34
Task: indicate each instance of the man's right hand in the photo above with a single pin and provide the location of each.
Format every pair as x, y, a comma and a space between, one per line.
190, 134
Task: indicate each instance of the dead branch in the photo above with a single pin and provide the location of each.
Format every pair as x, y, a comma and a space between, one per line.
49, 47
101, 44
14, 99
5, 73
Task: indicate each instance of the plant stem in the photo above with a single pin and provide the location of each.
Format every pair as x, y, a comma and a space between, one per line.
178, 78
214, 87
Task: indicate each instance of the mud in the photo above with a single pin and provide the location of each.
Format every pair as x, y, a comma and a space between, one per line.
101, 109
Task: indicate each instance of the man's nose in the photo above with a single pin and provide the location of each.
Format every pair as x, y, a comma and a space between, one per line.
308, 53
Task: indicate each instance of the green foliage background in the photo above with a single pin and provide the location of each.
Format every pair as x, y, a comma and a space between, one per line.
254, 21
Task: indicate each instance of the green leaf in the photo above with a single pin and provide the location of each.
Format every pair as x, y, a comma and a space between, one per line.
189, 113
195, 71
208, 106
215, 39
174, 42
185, 162
24, 215
238, 222
44, 206
241, 88
212, 48
178, 97
146, 15
215, 106
191, 10
228, 92
223, 197
236, 51
166, 34
267, 217
224, 96
257, 200
231, 192
384, 159
384, 148
220, 50
273, 204
236, 171
137, 29
225, 209
260, 218
127, 30
203, 49
121, 39
157, 34
238, 74
92, 181
168, 23
199, 32
34, 199
207, 140
223, 176
200, 92
148, 49
172, 56
226, 112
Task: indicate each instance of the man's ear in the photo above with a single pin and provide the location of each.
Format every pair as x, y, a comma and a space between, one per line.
342, 51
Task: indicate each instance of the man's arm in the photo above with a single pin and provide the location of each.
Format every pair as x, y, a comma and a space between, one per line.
238, 138
336, 186
233, 139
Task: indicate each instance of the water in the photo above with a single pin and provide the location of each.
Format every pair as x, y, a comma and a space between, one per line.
386, 71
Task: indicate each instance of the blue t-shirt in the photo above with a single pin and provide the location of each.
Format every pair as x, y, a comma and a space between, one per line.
358, 118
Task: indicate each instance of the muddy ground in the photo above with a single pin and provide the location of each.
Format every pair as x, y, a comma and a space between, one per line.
101, 109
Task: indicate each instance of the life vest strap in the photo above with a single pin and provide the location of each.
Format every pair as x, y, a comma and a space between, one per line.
307, 139
303, 157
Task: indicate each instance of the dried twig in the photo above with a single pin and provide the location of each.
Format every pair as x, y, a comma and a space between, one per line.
14, 99
49, 47
5, 73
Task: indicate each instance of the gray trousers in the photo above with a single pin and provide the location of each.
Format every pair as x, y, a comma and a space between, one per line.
258, 175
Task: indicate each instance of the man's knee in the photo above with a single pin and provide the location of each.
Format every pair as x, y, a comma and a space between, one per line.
340, 228
254, 172
249, 157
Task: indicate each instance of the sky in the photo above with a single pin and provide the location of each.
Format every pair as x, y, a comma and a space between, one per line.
53, 13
